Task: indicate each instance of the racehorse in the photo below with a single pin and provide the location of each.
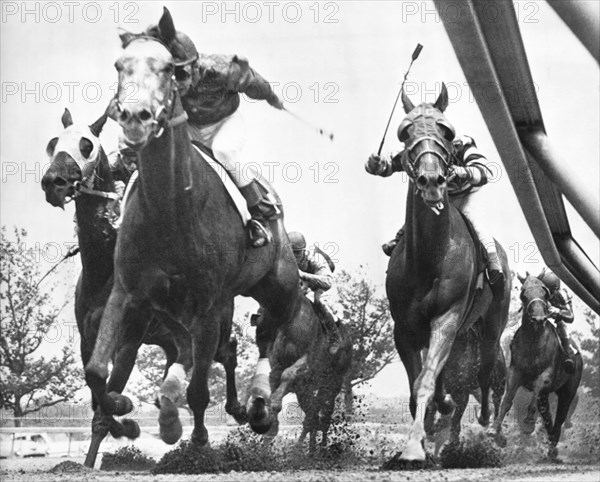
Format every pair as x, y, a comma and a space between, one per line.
182, 248
79, 169
432, 281
536, 364
460, 380
300, 359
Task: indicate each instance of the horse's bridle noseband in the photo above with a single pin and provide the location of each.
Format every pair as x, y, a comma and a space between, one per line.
538, 300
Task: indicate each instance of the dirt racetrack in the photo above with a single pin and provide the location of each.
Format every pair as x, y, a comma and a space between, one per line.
40, 470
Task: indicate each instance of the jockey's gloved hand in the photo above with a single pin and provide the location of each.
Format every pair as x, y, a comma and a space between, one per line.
276, 102
460, 173
553, 311
375, 165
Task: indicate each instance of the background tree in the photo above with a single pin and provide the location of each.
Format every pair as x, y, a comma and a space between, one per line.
369, 322
590, 350
29, 381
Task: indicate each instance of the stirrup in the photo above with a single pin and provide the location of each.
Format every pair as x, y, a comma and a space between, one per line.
388, 247
569, 365
259, 234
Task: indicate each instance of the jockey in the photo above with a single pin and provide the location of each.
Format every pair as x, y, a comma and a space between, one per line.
468, 172
210, 87
562, 312
316, 274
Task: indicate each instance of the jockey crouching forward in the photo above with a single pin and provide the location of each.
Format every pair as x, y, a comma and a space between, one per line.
561, 312
316, 275
210, 88
468, 172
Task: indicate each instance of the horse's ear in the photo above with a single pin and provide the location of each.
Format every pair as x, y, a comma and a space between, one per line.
521, 278
406, 103
66, 118
51, 146
166, 26
97, 126
126, 37
442, 101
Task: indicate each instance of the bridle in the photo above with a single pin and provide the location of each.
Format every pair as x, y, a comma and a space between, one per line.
85, 185
543, 301
163, 117
411, 162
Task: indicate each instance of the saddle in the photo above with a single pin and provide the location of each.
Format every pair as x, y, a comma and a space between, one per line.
481, 257
233, 191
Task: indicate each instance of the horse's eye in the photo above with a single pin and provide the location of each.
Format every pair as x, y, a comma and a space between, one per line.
169, 69
118, 66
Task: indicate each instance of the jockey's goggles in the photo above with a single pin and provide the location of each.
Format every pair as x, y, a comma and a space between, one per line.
183, 72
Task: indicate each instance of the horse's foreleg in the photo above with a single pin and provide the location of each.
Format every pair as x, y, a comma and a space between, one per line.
232, 404
172, 389
443, 333
544, 408
566, 395
411, 359
109, 335
96, 372
198, 396
513, 382
288, 376
543, 381
489, 355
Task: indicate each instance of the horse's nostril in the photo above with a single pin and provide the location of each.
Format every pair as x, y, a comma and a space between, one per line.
145, 115
422, 181
123, 115
441, 180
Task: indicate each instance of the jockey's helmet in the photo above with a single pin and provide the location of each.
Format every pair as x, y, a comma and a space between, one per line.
550, 280
183, 50
297, 241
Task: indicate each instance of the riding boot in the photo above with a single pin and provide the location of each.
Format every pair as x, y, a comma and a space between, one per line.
496, 276
568, 363
390, 245
333, 332
261, 210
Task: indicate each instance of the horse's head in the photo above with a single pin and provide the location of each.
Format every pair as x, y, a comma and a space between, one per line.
73, 157
147, 85
534, 298
427, 136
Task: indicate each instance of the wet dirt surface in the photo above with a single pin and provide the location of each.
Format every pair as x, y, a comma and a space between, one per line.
48, 469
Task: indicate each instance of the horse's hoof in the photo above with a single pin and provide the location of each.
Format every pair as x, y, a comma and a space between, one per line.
397, 462
116, 429
131, 429
122, 404
169, 423
258, 416
413, 452
446, 405
500, 440
239, 414
484, 422
201, 439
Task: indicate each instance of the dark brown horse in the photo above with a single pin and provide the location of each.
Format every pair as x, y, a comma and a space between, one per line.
537, 364
182, 248
79, 169
432, 281
301, 361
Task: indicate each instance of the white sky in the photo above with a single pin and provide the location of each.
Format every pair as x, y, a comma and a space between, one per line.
354, 54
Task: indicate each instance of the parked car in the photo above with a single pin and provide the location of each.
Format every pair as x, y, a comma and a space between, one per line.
31, 445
